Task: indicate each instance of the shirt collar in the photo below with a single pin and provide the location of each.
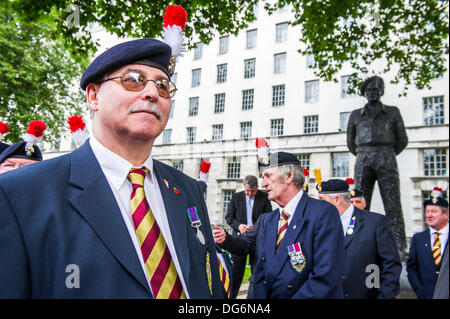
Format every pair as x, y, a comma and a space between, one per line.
292, 205
114, 167
382, 109
348, 212
443, 231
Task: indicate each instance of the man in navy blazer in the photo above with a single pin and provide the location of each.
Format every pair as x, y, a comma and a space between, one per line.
424, 265
66, 229
372, 261
309, 261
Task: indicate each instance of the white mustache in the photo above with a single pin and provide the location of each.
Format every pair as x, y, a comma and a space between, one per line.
147, 108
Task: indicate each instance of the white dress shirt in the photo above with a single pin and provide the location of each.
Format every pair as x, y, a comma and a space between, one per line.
291, 206
116, 170
249, 202
443, 237
346, 217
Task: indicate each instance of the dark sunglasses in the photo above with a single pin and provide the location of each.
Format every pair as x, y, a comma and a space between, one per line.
136, 81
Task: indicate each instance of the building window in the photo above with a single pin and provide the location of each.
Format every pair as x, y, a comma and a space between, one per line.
249, 68
278, 95
247, 99
223, 44
281, 32
219, 103
234, 168
311, 124
279, 63
276, 127
227, 195
198, 50
190, 134
172, 109
312, 91
178, 165
433, 110
343, 120
193, 106
435, 162
340, 165
246, 130
304, 160
345, 87
167, 134
174, 78
251, 39
309, 61
196, 75
217, 132
221, 73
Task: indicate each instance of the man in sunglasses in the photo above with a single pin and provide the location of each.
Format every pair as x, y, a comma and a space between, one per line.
110, 221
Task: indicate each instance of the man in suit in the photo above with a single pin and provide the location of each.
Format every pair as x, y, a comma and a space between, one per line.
357, 199
372, 262
427, 247
108, 220
300, 245
243, 211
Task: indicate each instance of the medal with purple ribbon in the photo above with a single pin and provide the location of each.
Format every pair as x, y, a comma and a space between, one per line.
298, 260
351, 226
196, 223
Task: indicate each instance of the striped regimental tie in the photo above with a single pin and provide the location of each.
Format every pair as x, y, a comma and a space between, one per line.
224, 278
437, 249
283, 227
163, 277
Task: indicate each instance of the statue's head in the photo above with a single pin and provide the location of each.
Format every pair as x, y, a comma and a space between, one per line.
372, 88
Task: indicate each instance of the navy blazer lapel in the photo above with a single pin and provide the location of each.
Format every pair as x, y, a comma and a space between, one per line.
359, 223
292, 233
176, 205
93, 199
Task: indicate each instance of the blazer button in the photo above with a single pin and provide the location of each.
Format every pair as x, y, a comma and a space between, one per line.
289, 286
437, 272
263, 259
265, 283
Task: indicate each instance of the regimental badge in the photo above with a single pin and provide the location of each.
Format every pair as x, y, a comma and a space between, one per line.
29, 150
352, 192
434, 200
196, 223
265, 160
298, 260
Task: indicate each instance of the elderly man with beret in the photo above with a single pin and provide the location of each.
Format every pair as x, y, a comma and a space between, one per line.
16, 156
110, 221
300, 245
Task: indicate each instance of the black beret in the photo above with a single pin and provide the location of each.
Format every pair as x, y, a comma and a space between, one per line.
17, 150
277, 159
356, 193
3, 146
436, 201
146, 51
333, 186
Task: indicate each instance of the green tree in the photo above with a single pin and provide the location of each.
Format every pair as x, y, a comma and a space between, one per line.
410, 34
36, 77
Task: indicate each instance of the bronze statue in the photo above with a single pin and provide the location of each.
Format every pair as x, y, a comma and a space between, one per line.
375, 135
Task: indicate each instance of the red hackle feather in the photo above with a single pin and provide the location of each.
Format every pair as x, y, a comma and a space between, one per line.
437, 189
204, 167
3, 128
36, 128
350, 181
305, 172
76, 123
175, 15
261, 142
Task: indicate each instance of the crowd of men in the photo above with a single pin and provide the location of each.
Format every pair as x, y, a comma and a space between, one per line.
133, 227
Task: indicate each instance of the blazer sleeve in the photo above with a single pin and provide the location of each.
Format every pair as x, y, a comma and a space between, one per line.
245, 244
389, 260
412, 268
325, 279
14, 279
231, 216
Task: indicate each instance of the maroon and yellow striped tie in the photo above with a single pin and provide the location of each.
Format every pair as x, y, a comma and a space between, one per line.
224, 278
283, 227
163, 277
437, 249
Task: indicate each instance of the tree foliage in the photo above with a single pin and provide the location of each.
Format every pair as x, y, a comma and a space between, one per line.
35, 77
411, 35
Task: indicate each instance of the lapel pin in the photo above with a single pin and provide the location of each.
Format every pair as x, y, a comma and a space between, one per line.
176, 191
295, 226
166, 182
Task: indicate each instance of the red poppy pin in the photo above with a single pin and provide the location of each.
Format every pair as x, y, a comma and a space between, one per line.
176, 191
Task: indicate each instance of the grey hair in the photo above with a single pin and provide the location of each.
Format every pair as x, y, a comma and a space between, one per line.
251, 181
346, 197
296, 170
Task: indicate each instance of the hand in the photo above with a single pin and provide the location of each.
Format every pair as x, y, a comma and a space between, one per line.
219, 234
243, 229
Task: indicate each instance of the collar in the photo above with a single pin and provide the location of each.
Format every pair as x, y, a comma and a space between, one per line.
348, 212
114, 167
292, 205
443, 231
382, 108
